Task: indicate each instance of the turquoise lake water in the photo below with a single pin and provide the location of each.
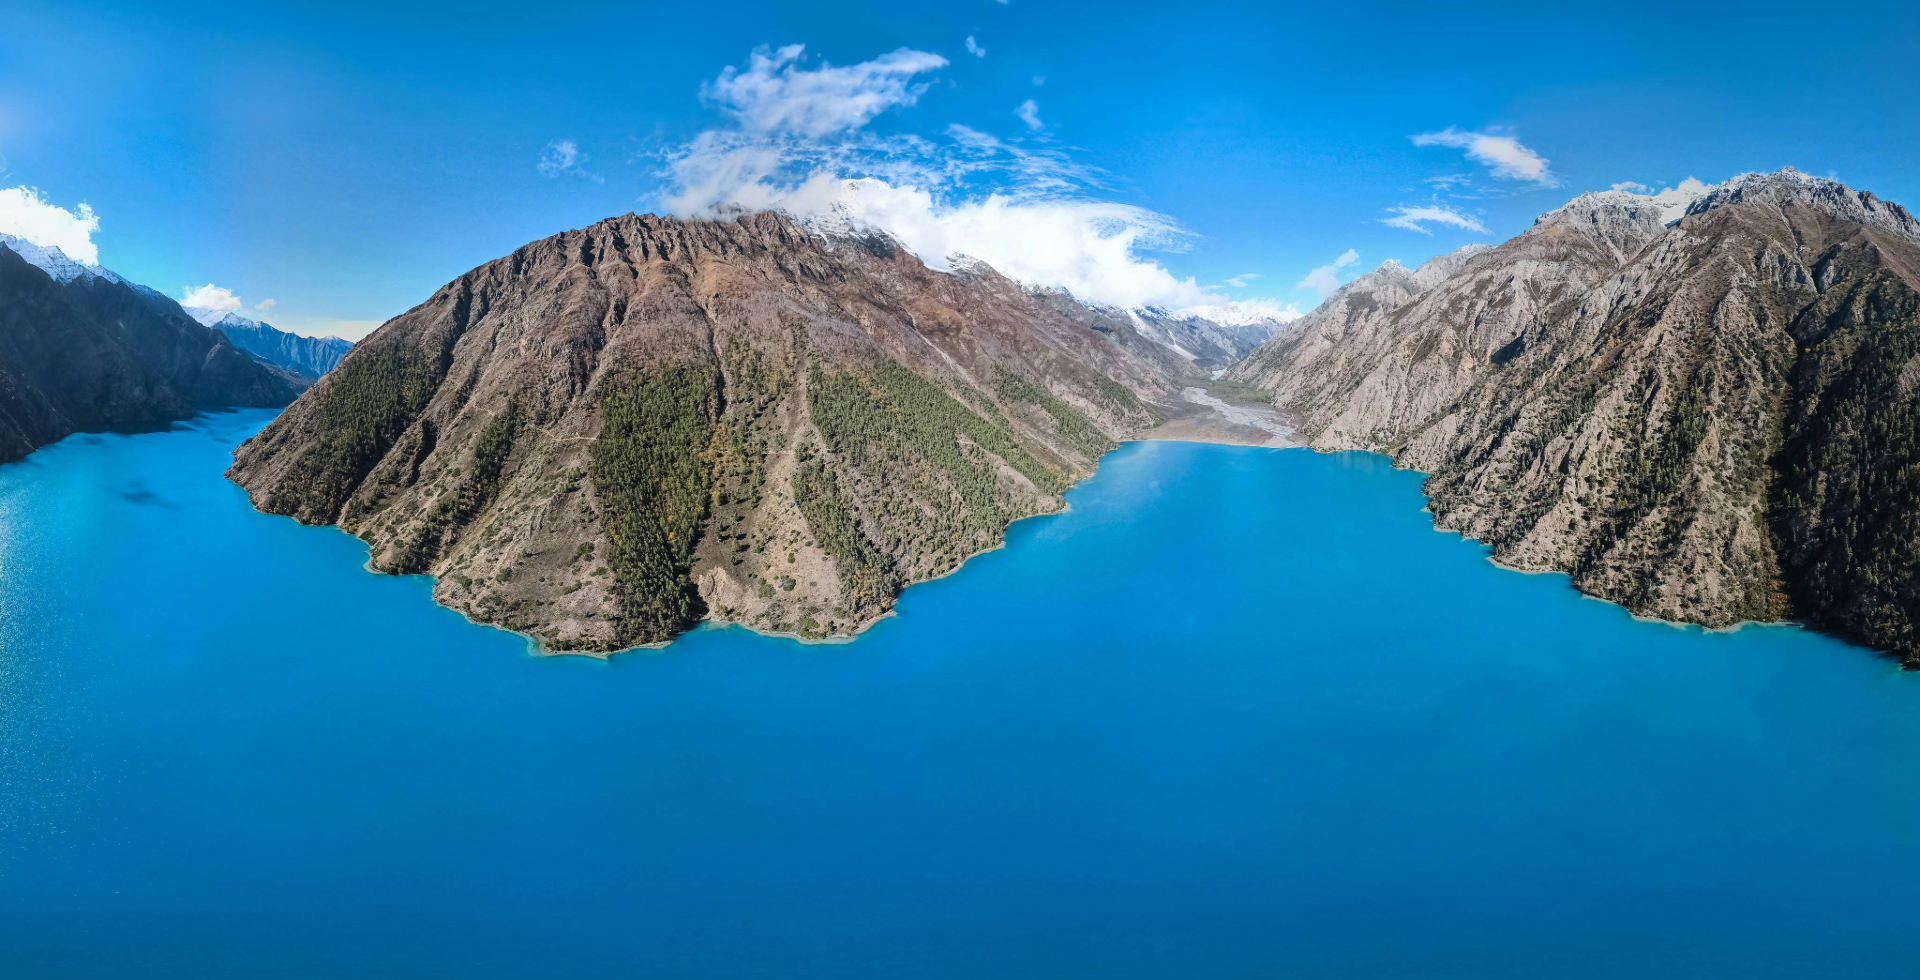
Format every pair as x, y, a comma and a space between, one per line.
1239, 713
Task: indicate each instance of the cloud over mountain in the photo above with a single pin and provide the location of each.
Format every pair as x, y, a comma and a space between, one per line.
210, 297
1325, 280
25, 214
799, 142
775, 95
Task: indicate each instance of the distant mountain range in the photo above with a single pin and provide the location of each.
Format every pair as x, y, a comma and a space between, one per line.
310, 357
82, 349
1706, 410
1208, 343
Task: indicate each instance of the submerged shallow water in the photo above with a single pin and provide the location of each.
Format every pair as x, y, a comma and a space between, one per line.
1238, 713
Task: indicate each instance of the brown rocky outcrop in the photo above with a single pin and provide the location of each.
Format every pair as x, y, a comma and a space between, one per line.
619, 431
1710, 421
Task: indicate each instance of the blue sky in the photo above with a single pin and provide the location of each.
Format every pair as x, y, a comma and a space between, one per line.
344, 160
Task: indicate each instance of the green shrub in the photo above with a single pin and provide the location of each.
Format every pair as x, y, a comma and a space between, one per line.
652, 476
867, 578
367, 403
1070, 423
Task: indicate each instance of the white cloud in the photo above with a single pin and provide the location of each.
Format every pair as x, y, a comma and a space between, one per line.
1412, 218
1029, 113
1240, 281
1039, 80
210, 297
1085, 247
1325, 280
1692, 188
1088, 248
219, 299
974, 48
25, 214
776, 96
562, 158
1506, 158
1029, 211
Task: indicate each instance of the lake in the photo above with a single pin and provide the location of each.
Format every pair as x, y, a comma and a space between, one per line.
1237, 713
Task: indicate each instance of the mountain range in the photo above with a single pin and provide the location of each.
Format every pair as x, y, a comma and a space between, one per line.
309, 357
1700, 404
83, 349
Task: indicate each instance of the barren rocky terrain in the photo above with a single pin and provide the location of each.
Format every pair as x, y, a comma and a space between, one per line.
1709, 421
614, 433
617, 432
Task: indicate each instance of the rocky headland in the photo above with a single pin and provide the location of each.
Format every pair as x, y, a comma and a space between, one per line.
1705, 412
617, 432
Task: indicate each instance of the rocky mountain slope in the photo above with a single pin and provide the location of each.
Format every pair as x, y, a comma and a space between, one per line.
616, 432
1711, 421
83, 349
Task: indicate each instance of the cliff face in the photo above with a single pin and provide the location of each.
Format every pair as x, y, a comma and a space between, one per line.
611, 434
1712, 421
95, 352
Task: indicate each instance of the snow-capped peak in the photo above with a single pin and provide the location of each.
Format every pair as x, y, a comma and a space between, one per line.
1672, 202
1242, 313
54, 262
1790, 186
218, 318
